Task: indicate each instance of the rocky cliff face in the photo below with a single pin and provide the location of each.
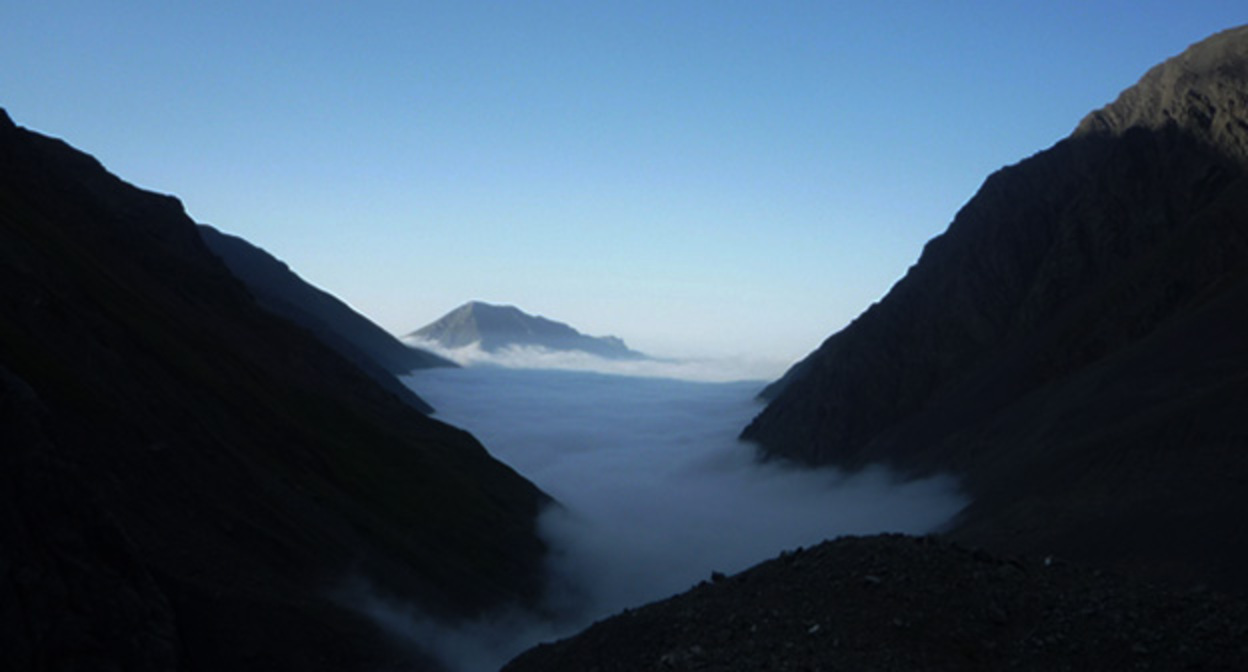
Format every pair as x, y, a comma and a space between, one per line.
1075, 345
186, 479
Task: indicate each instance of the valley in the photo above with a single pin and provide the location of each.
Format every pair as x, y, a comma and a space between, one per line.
1029, 452
654, 492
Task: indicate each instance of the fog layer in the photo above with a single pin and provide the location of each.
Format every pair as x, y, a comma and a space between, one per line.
708, 369
656, 493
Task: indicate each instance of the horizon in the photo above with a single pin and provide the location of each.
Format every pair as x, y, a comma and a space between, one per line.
695, 178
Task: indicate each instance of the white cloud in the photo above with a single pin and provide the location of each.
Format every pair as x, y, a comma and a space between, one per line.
657, 493
709, 369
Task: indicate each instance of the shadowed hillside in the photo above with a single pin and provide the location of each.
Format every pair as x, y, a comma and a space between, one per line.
186, 479
280, 290
895, 603
1075, 345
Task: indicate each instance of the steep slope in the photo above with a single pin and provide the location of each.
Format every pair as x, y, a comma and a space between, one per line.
1075, 345
897, 603
187, 479
493, 328
354, 336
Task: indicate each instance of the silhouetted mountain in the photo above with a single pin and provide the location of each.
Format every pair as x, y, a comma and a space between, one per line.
354, 336
1075, 345
188, 481
493, 328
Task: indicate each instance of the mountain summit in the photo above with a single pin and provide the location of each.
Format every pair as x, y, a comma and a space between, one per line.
493, 328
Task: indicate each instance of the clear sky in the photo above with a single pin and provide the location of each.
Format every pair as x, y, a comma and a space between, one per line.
726, 177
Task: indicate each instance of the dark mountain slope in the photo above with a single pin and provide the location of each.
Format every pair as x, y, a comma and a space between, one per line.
494, 328
905, 604
1075, 345
187, 478
354, 336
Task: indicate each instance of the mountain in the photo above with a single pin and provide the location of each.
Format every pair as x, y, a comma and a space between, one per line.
902, 603
354, 336
493, 328
1075, 345
190, 482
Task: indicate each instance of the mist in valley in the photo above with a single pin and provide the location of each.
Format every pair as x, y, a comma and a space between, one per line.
715, 369
655, 493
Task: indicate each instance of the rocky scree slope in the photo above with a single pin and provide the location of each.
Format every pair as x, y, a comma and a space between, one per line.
186, 479
354, 336
904, 604
1075, 345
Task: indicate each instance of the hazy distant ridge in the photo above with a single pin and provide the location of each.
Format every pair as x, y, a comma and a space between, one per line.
493, 328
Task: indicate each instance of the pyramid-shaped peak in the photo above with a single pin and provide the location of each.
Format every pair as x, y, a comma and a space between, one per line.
494, 327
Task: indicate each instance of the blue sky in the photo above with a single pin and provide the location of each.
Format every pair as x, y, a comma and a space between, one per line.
717, 177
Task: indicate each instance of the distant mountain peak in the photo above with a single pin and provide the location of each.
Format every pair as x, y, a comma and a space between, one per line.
493, 327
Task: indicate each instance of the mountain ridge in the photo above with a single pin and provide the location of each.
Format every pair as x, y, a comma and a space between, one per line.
1117, 254
188, 478
354, 336
494, 327
1190, 91
1075, 347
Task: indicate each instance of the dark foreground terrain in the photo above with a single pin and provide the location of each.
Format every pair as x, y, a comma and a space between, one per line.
905, 603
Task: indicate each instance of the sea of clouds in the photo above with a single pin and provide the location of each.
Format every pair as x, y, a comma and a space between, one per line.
656, 492
701, 368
